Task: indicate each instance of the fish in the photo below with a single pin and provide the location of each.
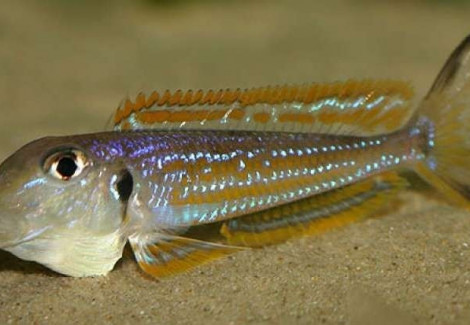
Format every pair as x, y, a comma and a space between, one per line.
262, 165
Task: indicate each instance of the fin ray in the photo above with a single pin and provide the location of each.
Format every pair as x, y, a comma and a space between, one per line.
454, 74
360, 108
313, 215
444, 120
452, 191
161, 255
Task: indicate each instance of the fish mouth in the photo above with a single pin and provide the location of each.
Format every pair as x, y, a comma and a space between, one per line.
8, 243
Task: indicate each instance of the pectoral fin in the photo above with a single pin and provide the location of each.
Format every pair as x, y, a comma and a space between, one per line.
313, 215
161, 255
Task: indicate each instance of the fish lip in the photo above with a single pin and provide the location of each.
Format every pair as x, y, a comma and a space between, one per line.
28, 237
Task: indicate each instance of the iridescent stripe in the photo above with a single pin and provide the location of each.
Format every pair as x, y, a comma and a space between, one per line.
188, 178
263, 224
350, 108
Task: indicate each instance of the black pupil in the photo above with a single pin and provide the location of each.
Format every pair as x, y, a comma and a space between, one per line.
67, 167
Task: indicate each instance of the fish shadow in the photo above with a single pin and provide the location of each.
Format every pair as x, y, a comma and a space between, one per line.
9, 262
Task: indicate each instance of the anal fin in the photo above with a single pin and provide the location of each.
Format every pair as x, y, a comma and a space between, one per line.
315, 214
161, 255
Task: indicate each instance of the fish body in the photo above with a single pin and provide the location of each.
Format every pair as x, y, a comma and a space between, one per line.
186, 178
268, 164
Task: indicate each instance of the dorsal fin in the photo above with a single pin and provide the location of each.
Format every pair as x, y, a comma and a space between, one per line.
361, 108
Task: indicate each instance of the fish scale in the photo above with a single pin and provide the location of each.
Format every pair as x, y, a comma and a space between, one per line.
175, 166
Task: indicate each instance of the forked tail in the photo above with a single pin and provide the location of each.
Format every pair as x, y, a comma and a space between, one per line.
445, 114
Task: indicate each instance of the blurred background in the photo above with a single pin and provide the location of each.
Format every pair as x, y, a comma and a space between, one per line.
66, 64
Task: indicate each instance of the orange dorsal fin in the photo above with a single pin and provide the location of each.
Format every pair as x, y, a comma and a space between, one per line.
360, 108
161, 255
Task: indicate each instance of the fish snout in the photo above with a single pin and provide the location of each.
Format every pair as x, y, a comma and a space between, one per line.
14, 225
11, 236
10, 233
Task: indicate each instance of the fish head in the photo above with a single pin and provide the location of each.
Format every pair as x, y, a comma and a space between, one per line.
59, 207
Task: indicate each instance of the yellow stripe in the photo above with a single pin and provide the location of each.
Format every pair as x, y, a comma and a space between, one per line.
286, 213
177, 254
269, 95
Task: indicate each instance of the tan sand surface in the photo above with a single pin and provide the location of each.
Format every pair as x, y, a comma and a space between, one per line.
64, 67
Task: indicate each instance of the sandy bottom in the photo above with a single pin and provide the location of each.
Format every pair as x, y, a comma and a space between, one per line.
64, 67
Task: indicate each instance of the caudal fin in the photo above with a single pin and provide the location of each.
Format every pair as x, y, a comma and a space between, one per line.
445, 114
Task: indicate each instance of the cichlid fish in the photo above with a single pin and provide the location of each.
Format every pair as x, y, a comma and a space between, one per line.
266, 164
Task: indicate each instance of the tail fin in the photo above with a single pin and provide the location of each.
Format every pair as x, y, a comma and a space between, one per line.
445, 114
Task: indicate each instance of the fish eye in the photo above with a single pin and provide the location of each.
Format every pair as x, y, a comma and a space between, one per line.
66, 165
